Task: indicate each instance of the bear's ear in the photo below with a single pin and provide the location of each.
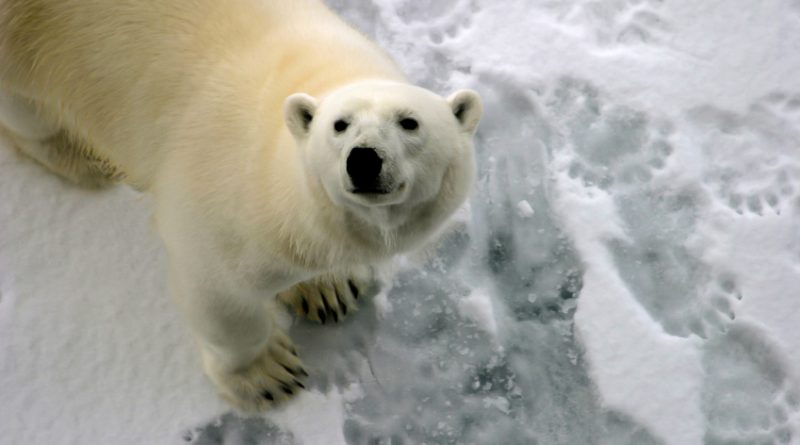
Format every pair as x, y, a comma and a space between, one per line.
298, 111
467, 108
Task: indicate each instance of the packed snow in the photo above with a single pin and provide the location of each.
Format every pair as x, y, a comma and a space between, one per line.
627, 270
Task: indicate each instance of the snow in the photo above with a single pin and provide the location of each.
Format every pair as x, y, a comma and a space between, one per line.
478, 307
524, 209
627, 270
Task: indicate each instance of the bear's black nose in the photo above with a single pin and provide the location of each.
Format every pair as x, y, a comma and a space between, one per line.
364, 168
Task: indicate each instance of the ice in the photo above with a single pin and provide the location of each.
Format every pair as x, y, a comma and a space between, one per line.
478, 307
524, 209
626, 271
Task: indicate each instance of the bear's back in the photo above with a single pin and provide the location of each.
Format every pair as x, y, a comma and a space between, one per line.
129, 76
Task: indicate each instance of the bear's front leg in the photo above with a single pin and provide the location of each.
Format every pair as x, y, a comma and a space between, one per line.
329, 297
252, 362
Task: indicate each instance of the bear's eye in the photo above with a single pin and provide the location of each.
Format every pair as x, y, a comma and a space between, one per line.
340, 125
409, 124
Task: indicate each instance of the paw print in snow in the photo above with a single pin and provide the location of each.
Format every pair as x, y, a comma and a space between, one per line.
754, 166
718, 308
642, 25
616, 147
623, 22
451, 25
748, 395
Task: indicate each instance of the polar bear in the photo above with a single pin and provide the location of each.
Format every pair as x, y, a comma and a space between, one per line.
286, 154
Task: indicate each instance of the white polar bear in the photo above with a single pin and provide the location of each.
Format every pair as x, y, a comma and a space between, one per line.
285, 152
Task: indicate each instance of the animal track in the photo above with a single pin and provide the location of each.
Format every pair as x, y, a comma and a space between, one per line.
748, 397
642, 25
430, 10
439, 20
766, 139
230, 428
720, 297
669, 283
625, 151
618, 147
451, 28
621, 22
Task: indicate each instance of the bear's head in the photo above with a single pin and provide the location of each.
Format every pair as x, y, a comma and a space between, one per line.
395, 156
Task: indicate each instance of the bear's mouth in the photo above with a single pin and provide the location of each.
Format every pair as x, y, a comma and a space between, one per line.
379, 190
379, 195
370, 191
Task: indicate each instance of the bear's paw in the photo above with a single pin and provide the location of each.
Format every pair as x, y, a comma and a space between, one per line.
272, 378
329, 297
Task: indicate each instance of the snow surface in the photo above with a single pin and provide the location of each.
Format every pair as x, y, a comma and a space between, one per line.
627, 271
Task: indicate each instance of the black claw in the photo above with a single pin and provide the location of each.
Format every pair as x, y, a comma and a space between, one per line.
353, 289
305, 305
330, 311
303, 371
300, 384
267, 395
321, 315
287, 390
342, 306
290, 370
293, 351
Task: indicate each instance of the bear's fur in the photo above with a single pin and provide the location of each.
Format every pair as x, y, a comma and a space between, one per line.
285, 152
